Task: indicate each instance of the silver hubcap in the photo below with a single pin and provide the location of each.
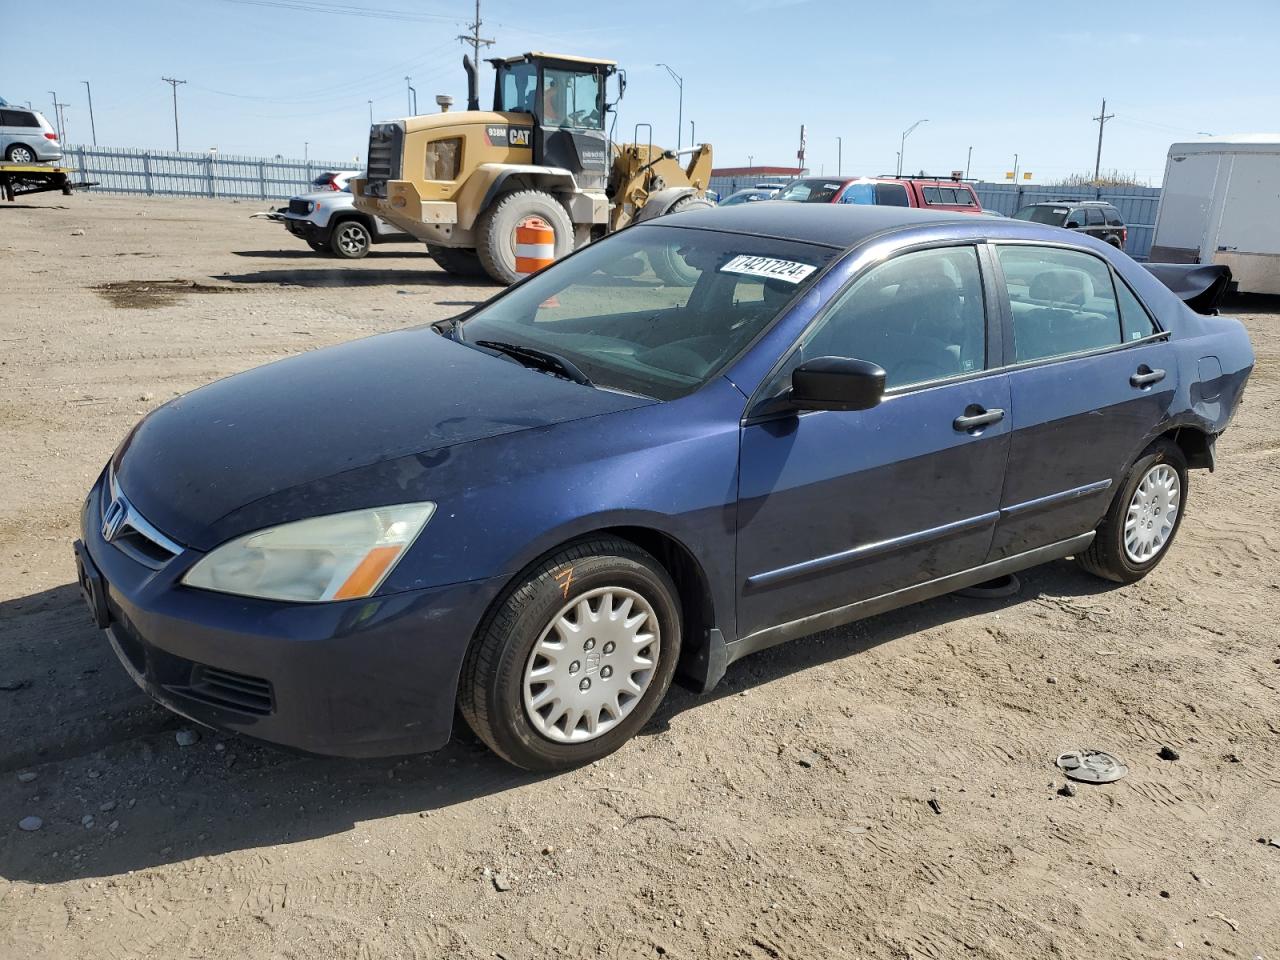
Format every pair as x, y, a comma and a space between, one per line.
352, 239
22, 155
591, 665
1152, 513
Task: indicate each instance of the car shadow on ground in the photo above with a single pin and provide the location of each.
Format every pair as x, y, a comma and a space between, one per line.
94, 742
407, 252
352, 276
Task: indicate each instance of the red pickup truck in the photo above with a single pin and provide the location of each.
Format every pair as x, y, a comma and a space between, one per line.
930, 193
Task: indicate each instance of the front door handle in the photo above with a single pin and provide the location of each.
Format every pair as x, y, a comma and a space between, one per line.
1145, 377
976, 417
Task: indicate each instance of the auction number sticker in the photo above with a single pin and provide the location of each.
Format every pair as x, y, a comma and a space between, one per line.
787, 270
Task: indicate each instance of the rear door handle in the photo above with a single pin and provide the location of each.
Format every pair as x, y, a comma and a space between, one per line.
1145, 377
976, 417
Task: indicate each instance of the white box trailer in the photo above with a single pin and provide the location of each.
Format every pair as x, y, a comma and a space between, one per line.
1221, 204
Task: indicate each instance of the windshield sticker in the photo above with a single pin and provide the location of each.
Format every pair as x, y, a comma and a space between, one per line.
787, 270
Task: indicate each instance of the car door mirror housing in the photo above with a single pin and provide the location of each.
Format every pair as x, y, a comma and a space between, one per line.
1073, 224
836, 383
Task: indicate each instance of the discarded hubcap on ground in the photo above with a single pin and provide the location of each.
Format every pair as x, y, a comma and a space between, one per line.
591, 665
1152, 513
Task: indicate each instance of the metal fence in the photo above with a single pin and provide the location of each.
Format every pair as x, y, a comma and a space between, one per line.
169, 173
1137, 205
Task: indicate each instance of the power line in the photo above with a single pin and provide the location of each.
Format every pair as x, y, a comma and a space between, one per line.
474, 37
347, 10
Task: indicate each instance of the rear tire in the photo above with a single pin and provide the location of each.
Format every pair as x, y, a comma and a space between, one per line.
456, 260
524, 701
1133, 537
350, 240
20, 153
667, 265
496, 230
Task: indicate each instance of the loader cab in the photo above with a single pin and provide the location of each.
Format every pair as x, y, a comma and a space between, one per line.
566, 97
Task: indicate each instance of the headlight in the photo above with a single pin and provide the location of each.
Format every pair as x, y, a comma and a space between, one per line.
311, 206
344, 556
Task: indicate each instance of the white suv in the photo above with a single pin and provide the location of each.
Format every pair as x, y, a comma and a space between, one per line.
27, 137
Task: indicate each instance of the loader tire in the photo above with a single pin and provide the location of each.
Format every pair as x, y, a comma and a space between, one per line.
457, 261
496, 230
666, 263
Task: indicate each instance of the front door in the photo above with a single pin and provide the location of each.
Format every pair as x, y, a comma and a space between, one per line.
1091, 376
836, 507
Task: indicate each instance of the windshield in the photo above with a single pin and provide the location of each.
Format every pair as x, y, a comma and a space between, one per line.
1053, 216
745, 196
811, 191
516, 84
654, 310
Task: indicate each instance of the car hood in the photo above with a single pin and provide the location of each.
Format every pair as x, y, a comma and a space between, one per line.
320, 414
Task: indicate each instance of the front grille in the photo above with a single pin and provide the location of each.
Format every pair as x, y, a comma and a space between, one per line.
135, 536
386, 141
233, 691
299, 206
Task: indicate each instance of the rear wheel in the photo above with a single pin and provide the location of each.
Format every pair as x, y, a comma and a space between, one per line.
20, 153
575, 658
1143, 519
496, 231
457, 261
350, 240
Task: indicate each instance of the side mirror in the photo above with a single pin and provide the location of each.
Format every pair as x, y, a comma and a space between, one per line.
836, 383
1073, 224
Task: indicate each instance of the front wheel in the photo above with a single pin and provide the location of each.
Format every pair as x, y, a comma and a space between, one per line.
575, 658
504, 228
350, 240
1143, 519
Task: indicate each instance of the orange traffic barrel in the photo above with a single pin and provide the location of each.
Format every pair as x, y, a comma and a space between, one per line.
535, 245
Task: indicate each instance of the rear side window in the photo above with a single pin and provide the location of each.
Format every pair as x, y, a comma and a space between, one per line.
920, 316
18, 118
1135, 322
891, 195
1113, 217
933, 195
1062, 301
1095, 216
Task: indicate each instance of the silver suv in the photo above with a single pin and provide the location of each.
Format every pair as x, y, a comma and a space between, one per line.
330, 223
27, 137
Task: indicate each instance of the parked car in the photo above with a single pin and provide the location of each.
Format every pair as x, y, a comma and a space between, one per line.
543, 510
330, 223
27, 137
749, 195
1097, 218
933, 194
334, 180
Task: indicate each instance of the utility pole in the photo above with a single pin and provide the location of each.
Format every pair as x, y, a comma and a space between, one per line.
903, 147
693, 134
800, 152
371, 113
1101, 119
93, 128
411, 97
751, 162
839, 156
680, 107
967, 162
474, 37
57, 121
306, 151
174, 83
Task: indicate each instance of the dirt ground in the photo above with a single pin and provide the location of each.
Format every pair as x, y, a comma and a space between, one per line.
884, 790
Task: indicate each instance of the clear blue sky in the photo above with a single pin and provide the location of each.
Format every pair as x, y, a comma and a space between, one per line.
265, 76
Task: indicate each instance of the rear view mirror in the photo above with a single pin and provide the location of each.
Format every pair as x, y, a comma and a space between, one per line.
836, 383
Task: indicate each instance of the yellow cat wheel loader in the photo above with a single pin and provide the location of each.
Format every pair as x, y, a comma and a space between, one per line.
467, 182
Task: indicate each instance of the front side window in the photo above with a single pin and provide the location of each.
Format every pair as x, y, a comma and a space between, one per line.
920, 316
862, 193
443, 158
517, 83
572, 98
653, 309
1063, 301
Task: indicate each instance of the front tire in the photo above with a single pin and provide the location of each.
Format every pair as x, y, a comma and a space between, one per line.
575, 658
667, 264
1144, 517
350, 240
496, 230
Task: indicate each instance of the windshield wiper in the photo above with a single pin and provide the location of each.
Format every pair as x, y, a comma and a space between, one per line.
539, 360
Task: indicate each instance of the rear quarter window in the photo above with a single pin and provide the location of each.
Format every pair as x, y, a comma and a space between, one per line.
891, 195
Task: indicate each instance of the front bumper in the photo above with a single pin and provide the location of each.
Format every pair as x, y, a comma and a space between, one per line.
306, 230
360, 678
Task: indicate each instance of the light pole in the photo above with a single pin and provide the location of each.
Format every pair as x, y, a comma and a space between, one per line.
93, 129
693, 134
371, 113
839, 155
903, 146
968, 160
174, 83
680, 108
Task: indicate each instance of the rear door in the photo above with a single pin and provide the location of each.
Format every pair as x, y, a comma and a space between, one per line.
1090, 378
841, 506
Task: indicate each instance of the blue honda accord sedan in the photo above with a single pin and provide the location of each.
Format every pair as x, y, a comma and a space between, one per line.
692, 440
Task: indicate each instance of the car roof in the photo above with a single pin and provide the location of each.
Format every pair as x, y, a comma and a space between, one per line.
1069, 202
833, 225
